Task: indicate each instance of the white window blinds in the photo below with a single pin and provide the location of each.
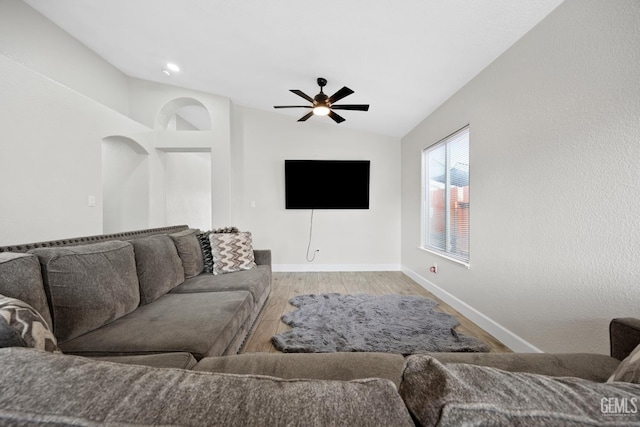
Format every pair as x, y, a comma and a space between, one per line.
446, 196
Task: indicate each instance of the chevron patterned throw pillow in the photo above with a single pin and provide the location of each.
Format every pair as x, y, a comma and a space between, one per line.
232, 252
22, 326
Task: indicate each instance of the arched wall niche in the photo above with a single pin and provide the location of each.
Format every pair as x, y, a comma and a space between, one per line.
125, 185
183, 114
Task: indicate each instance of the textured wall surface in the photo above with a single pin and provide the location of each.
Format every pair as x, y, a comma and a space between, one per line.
555, 143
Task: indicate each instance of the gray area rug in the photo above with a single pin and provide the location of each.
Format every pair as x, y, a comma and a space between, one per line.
328, 323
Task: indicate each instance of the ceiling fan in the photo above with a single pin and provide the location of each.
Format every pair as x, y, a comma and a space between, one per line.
323, 105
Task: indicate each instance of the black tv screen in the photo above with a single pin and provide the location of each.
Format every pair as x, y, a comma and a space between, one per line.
326, 184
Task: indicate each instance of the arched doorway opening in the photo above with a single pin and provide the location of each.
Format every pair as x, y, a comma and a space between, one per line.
125, 185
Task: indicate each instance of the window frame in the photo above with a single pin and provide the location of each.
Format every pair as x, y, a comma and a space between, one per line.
425, 205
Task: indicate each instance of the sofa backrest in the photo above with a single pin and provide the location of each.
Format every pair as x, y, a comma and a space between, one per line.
127, 235
41, 388
21, 278
158, 265
76, 290
88, 286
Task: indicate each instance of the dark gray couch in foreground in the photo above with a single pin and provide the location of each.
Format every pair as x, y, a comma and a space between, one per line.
41, 388
346, 389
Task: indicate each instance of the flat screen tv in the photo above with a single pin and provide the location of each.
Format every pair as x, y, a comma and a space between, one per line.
326, 184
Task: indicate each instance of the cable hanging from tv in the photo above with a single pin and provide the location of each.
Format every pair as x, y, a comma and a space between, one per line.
310, 235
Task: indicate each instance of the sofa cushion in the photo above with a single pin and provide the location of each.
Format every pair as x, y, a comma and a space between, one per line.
254, 281
36, 391
317, 366
629, 369
22, 326
21, 278
589, 366
180, 360
89, 285
231, 252
459, 394
189, 252
202, 324
159, 266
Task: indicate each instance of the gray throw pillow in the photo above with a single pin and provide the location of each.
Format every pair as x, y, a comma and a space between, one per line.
629, 369
22, 326
159, 266
232, 252
463, 394
189, 252
89, 285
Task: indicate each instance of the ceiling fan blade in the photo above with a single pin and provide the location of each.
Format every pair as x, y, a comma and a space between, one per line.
302, 94
336, 118
355, 107
292, 106
306, 116
345, 91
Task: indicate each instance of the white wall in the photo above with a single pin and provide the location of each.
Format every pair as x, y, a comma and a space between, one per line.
348, 239
147, 101
125, 185
59, 100
555, 143
50, 156
30, 39
188, 187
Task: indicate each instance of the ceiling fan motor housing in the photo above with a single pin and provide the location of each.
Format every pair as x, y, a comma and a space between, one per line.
321, 99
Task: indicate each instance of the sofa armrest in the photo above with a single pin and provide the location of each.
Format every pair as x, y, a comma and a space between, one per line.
624, 335
262, 256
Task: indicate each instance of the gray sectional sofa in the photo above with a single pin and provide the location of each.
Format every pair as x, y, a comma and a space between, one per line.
176, 346
137, 294
344, 389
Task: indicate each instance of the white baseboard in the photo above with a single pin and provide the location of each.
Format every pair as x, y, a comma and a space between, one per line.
335, 267
508, 338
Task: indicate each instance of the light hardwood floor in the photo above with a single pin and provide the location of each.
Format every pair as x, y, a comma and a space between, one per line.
287, 285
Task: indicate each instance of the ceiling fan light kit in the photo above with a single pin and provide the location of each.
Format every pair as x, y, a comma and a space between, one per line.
321, 110
323, 105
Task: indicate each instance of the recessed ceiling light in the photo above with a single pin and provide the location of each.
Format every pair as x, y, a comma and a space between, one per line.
173, 67
167, 72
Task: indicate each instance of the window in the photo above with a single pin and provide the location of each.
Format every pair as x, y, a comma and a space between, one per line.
445, 211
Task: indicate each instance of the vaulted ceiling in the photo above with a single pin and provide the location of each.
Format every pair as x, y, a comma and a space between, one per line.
404, 58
